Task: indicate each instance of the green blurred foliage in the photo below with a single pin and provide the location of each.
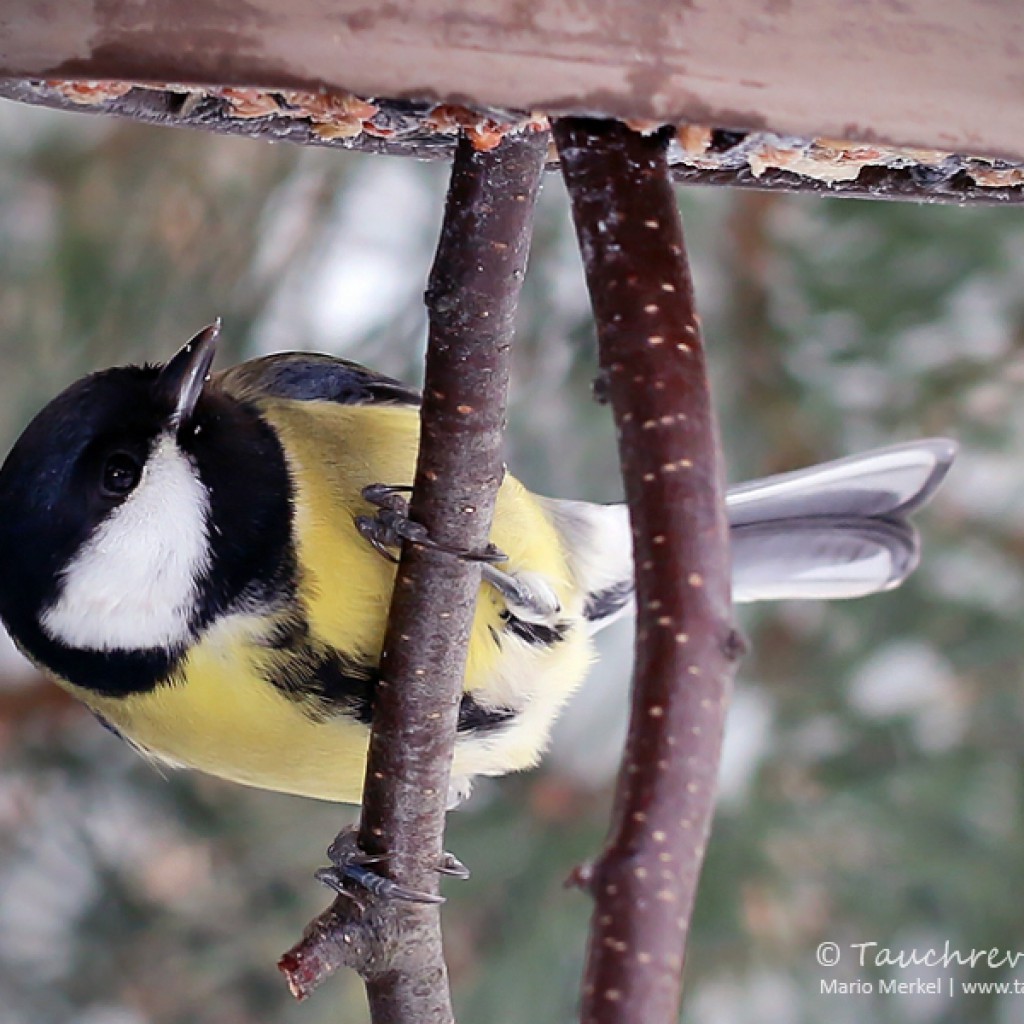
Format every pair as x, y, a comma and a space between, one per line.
872, 788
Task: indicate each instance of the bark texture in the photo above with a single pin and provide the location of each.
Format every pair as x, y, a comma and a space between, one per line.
644, 882
471, 299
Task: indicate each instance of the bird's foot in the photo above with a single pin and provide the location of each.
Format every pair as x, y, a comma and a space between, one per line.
390, 525
528, 596
350, 864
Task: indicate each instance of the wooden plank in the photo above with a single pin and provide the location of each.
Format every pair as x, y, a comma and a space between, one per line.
945, 75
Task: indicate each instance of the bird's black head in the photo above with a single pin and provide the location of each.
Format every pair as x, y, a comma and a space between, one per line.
138, 507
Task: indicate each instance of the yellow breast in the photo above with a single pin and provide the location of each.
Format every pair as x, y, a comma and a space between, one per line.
224, 718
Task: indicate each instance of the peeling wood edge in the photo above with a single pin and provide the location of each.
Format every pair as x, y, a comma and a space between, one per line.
190, 107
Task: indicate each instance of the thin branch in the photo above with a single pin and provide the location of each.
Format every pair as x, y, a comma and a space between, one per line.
472, 296
644, 882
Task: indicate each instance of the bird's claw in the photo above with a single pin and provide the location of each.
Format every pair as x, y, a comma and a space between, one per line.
528, 597
391, 525
376, 885
350, 864
452, 867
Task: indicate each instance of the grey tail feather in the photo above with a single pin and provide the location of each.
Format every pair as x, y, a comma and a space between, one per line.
837, 530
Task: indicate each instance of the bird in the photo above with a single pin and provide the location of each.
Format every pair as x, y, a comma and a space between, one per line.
197, 557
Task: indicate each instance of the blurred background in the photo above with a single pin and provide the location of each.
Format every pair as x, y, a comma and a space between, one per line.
872, 786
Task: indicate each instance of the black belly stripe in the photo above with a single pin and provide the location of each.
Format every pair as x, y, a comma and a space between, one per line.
476, 719
330, 686
603, 603
537, 634
327, 684
339, 686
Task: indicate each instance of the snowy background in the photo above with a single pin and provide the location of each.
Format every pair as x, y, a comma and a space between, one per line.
872, 784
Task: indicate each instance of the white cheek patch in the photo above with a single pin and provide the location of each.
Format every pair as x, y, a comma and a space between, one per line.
133, 584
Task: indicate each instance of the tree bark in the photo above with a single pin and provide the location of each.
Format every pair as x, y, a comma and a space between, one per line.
644, 882
471, 298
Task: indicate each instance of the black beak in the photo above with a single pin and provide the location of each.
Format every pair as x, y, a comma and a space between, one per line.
182, 379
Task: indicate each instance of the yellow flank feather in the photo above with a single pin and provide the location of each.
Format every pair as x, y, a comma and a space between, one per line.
223, 717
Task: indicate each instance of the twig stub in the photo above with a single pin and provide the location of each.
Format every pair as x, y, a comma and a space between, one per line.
644, 881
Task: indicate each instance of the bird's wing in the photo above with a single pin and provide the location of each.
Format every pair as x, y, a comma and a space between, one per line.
312, 376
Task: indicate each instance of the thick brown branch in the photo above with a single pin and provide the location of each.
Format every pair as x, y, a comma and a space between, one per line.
471, 299
644, 882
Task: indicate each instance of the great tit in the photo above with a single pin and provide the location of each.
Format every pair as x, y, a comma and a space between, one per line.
184, 553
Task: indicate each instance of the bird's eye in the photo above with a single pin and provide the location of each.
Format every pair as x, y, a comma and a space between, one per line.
120, 474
